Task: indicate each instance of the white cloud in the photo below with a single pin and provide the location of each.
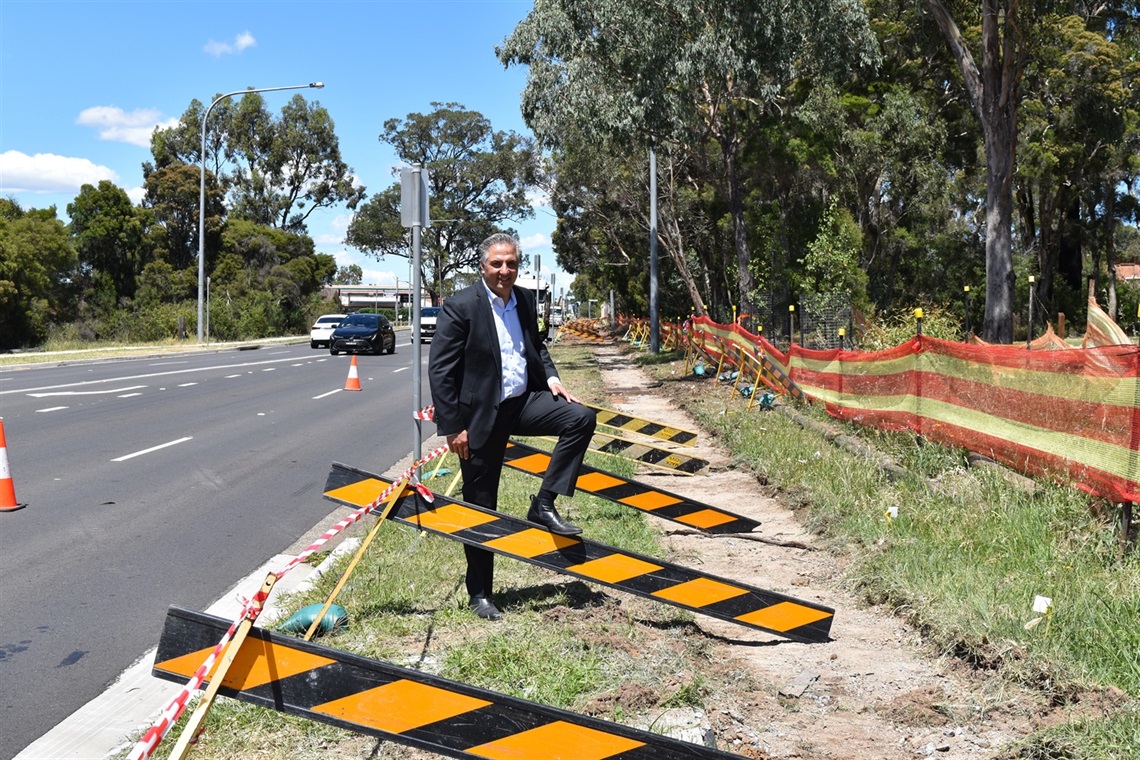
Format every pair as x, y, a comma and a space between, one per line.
537, 243
378, 277
117, 125
136, 194
48, 173
338, 228
240, 43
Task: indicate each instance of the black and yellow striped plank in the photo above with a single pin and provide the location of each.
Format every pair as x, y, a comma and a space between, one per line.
406, 706
644, 453
643, 576
642, 426
655, 501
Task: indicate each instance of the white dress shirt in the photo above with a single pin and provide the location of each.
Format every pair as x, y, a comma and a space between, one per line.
512, 346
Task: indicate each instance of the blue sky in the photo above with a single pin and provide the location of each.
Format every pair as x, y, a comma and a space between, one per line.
83, 84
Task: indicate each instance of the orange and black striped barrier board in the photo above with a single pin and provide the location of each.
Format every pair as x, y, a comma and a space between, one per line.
406, 706
655, 501
648, 428
643, 453
647, 577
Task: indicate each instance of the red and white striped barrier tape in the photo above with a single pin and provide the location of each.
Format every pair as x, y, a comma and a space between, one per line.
427, 413
252, 608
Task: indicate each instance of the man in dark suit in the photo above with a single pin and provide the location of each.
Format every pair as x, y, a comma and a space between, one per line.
492, 377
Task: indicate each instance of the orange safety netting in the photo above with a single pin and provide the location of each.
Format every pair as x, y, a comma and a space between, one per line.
1073, 415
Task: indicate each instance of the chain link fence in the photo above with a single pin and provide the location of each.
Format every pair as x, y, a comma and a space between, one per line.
815, 322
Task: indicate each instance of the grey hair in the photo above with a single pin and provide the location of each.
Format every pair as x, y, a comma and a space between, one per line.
499, 238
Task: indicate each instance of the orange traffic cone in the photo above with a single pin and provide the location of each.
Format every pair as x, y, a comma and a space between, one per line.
353, 383
7, 489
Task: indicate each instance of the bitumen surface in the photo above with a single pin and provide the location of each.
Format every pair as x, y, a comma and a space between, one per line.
112, 722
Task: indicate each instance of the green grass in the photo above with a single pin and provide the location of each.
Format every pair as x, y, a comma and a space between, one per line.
962, 562
965, 559
563, 642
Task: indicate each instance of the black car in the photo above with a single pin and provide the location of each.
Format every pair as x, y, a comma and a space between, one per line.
359, 333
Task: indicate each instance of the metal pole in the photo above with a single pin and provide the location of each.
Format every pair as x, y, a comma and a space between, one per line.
202, 185
417, 371
1029, 327
969, 329
654, 338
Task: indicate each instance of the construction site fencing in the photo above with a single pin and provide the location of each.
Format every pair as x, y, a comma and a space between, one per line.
1068, 415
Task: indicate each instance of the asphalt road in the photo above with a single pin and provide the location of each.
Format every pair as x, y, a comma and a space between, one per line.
151, 482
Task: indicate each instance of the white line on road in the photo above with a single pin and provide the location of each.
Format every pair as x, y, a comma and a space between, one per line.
144, 376
51, 409
268, 369
153, 448
229, 376
401, 369
186, 385
130, 395
87, 393
338, 390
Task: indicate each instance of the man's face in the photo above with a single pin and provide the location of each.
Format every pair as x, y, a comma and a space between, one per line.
501, 269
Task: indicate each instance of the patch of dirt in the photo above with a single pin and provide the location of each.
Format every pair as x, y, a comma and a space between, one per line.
878, 691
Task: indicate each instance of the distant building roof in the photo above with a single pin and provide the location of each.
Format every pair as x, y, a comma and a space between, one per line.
1128, 271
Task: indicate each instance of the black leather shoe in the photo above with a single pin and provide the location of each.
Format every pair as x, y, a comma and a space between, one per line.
544, 513
485, 608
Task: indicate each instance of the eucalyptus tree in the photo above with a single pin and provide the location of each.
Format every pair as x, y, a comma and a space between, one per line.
274, 170
651, 73
109, 234
599, 197
478, 183
37, 269
1080, 143
994, 90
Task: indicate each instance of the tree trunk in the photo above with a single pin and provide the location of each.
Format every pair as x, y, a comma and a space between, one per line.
1110, 248
739, 232
674, 242
997, 325
729, 148
993, 93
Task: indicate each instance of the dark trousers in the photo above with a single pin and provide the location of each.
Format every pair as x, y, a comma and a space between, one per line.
533, 413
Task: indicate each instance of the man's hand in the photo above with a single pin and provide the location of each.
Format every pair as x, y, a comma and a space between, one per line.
560, 390
457, 442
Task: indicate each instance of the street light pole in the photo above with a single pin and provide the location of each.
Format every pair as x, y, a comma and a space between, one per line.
202, 185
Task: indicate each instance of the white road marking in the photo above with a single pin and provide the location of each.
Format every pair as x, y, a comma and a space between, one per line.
229, 376
338, 390
268, 369
401, 369
51, 409
129, 395
143, 377
87, 393
153, 448
186, 385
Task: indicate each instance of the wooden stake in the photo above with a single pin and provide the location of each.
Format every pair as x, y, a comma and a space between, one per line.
397, 492
194, 724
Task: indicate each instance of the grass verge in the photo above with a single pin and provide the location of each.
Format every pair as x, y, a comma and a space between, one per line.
964, 560
562, 642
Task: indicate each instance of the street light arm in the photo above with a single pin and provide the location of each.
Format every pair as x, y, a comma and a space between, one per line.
202, 182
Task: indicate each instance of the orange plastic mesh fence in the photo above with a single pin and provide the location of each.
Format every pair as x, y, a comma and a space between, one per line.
1071, 415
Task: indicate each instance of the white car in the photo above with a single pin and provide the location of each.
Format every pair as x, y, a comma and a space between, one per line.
428, 317
321, 334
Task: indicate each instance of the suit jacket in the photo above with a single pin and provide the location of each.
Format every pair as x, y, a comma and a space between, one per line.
465, 366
